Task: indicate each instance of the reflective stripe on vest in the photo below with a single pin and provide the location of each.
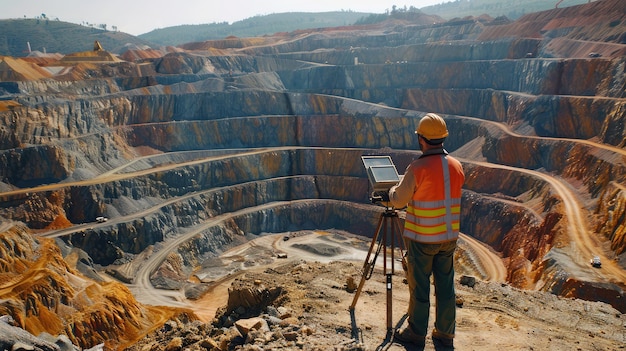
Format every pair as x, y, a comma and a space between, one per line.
434, 221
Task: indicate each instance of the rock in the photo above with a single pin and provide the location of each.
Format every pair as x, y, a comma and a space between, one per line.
244, 326
459, 301
250, 298
291, 335
65, 344
351, 285
271, 320
306, 330
62, 341
273, 311
175, 344
209, 344
468, 281
17, 338
19, 346
230, 335
169, 326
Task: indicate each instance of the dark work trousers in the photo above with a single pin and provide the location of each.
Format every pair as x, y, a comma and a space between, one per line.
424, 260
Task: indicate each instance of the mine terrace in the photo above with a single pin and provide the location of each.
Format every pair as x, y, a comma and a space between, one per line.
141, 169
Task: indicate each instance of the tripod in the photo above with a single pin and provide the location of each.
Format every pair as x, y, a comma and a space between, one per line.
389, 225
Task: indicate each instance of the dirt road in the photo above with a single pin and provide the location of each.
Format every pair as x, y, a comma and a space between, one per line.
314, 246
584, 245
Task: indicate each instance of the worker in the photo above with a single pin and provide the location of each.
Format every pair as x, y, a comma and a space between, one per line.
431, 191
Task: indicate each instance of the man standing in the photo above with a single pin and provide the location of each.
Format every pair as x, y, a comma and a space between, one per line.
431, 190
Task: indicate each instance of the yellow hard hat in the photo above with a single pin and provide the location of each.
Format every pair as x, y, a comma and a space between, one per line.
432, 127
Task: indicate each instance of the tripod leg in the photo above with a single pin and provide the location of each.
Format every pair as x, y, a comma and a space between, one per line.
367, 268
389, 302
388, 266
355, 329
367, 265
402, 245
392, 220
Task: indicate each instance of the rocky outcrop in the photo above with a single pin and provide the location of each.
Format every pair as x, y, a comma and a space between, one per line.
42, 293
600, 20
12, 338
263, 313
561, 282
612, 212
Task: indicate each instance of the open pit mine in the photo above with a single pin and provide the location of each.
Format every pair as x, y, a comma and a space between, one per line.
124, 177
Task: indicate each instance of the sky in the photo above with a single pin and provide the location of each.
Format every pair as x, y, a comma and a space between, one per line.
141, 16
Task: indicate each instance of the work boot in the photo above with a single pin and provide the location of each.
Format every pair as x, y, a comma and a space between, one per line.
407, 336
442, 339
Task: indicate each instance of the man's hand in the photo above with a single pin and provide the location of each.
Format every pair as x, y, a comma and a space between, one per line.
380, 196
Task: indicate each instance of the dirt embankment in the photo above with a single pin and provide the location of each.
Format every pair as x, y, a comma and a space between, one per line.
314, 304
311, 287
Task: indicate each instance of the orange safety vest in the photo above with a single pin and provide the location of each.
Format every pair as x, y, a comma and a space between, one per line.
433, 214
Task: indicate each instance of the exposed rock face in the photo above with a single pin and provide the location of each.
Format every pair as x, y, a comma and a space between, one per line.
209, 150
613, 211
556, 265
599, 21
14, 338
43, 293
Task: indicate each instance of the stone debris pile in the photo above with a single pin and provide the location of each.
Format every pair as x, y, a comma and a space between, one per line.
275, 329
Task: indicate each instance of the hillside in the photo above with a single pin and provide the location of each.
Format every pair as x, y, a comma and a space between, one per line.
288, 22
52, 36
251, 27
496, 8
55, 36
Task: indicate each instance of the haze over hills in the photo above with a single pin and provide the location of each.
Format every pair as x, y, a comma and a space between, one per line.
495, 8
18, 36
57, 36
211, 196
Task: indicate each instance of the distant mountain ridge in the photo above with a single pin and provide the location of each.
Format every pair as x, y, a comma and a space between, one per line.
56, 36
52, 36
510, 8
287, 22
252, 27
